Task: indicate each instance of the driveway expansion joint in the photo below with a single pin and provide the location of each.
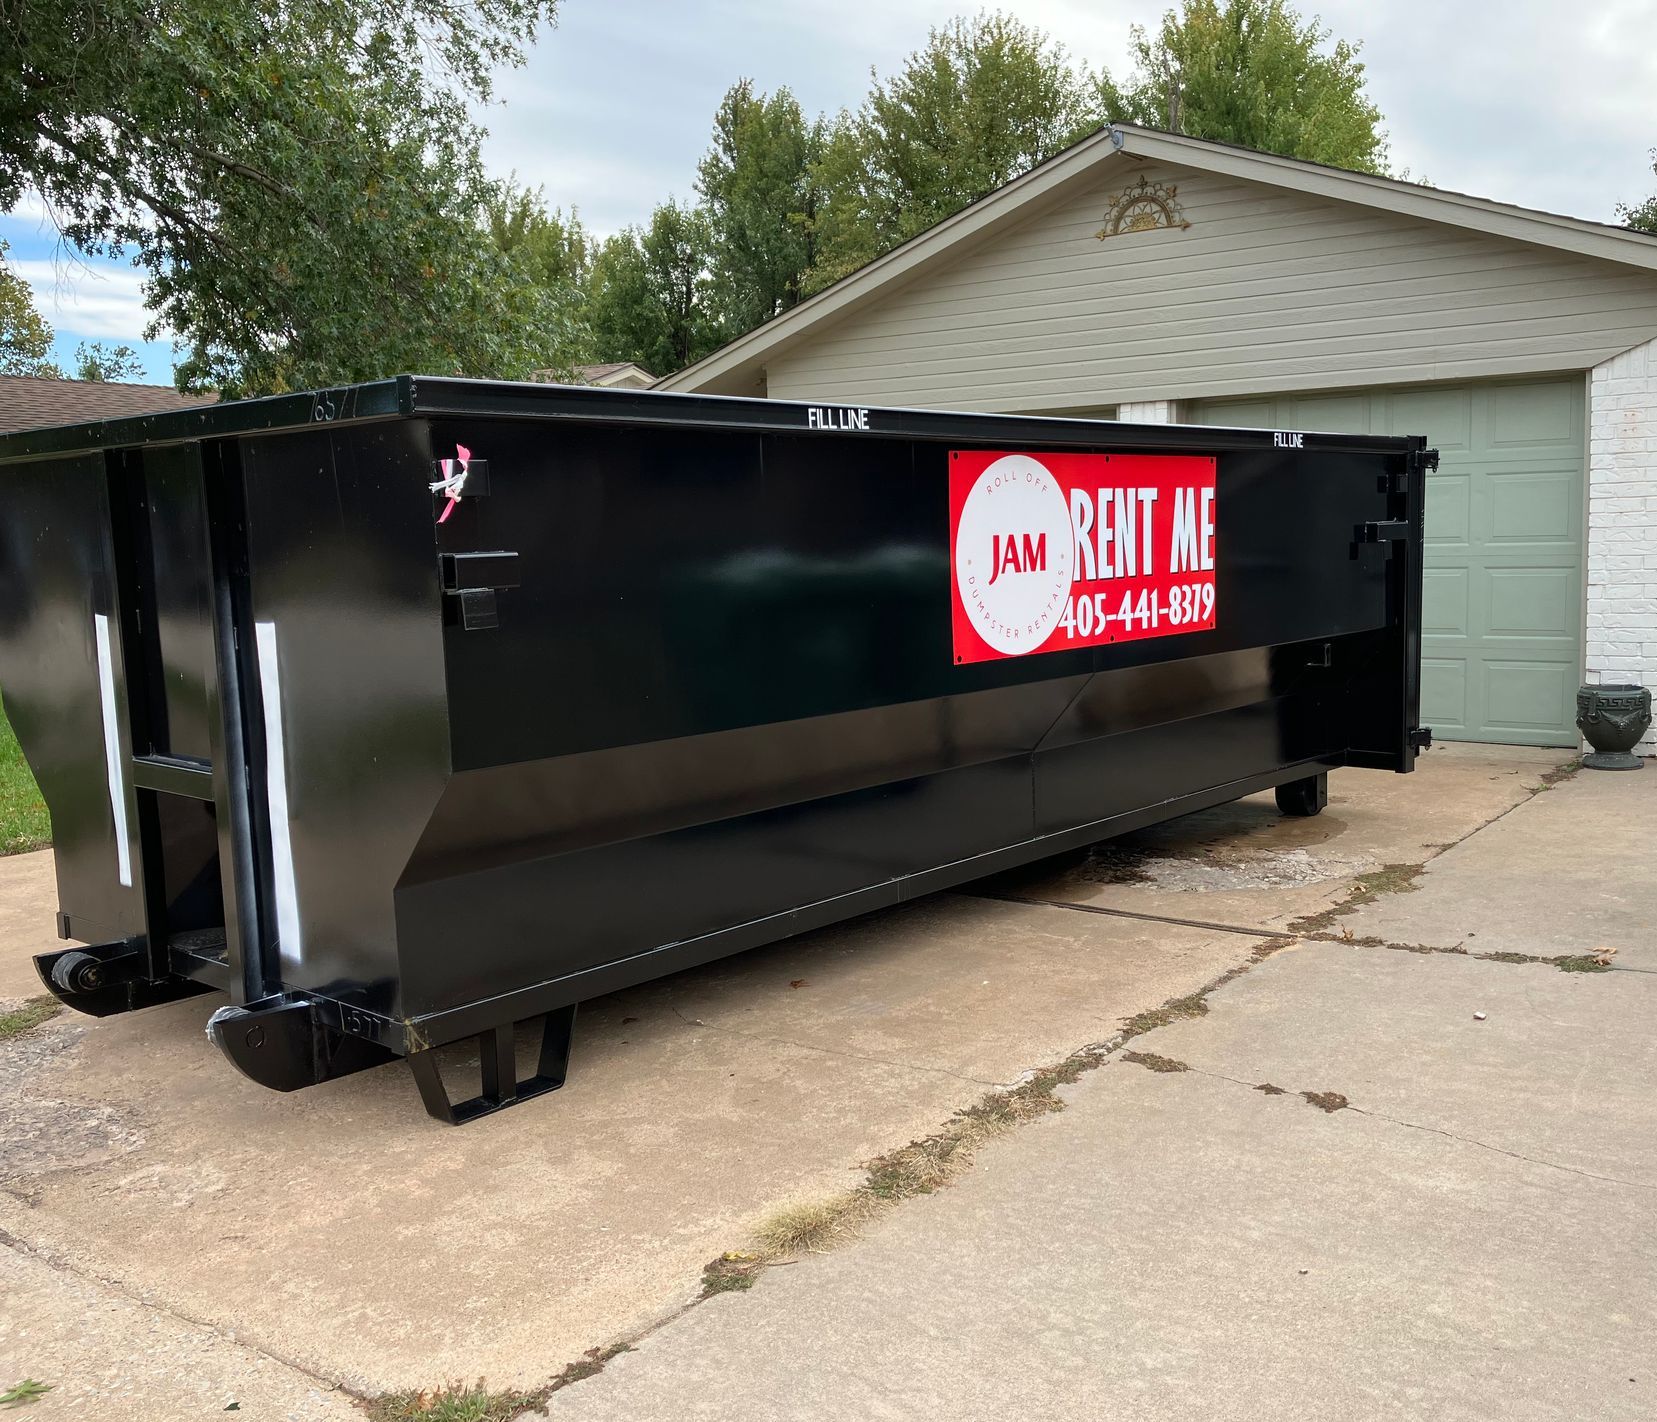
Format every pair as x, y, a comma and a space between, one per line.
64, 1264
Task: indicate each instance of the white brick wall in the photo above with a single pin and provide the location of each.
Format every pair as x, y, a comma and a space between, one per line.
1622, 521
1148, 412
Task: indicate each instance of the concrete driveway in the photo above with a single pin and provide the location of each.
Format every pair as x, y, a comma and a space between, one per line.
1470, 1223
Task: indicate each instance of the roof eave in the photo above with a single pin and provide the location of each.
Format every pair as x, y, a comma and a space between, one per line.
1009, 203
1590, 239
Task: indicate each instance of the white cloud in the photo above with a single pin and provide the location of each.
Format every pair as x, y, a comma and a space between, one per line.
1523, 101
95, 301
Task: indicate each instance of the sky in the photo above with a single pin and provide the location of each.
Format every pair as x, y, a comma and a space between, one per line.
1524, 101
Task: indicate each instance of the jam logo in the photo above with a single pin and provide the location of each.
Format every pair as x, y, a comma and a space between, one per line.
1012, 553
1057, 551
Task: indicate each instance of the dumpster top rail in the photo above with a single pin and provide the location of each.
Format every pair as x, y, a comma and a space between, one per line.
403, 396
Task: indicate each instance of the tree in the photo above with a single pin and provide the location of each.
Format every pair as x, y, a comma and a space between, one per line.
1252, 72
650, 299
1644, 216
555, 253
25, 336
97, 360
983, 101
301, 183
760, 187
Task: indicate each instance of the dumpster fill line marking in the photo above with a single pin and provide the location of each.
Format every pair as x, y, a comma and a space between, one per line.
276, 792
112, 751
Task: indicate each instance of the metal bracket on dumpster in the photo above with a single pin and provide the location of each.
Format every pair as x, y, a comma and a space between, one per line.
103, 979
1386, 531
498, 1063
473, 579
283, 1042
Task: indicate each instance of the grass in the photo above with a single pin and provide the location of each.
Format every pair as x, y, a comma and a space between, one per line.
458, 1403
24, 1393
22, 1019
474, 1402
24, 824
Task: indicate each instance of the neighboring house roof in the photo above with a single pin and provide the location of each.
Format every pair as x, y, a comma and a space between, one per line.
737, 366
30, 402
614, 373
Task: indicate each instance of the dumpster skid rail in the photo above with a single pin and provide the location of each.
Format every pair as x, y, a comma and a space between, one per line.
418, 712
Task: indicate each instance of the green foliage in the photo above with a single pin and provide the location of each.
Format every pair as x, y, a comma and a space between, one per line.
455, 1403
14, 1022
98, 360
759, 184
25, 337
650, 295
24, 1393
301, 183
983, 101
554, 253
1644, 216
1252, 72
24, 823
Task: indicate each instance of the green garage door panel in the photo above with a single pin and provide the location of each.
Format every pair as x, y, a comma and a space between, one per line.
1502, 613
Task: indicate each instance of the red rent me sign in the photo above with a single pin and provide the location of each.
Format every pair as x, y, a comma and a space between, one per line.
1051, 552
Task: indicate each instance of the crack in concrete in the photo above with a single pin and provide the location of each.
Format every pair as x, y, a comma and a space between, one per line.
1418, 1126
1566, 962
1502, 1150
63, 1264
834, 1052
1130, 913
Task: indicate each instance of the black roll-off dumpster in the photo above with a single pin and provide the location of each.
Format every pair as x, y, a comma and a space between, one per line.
411, 711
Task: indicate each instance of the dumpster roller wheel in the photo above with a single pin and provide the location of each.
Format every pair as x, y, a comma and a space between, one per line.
1302, 798
104, 979
77, 972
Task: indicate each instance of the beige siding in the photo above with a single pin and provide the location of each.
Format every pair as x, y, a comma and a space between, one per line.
1267, 290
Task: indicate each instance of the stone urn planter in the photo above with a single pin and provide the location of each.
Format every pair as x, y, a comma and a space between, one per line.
1612, 719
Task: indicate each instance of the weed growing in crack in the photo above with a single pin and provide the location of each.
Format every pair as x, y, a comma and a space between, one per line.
455, 1402
731, 1272
809, 1226
1271, 1090
461, 1402
1366, 888
1151, 1061
1179, 1009
1330, 1101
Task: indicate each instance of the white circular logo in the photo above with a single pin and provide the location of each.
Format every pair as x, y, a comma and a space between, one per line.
1012, 554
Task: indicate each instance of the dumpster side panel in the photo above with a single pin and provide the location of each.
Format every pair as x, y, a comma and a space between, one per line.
347, 618
63, 678
724, 689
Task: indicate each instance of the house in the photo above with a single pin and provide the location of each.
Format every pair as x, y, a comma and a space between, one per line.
616, 375
1146, 276
31, 401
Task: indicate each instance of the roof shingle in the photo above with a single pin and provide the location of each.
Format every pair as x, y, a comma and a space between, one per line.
30, 402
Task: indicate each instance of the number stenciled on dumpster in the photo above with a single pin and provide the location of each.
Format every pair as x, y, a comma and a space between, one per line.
1055, 551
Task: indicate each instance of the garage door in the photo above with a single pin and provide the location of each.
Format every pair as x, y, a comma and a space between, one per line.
1502, 612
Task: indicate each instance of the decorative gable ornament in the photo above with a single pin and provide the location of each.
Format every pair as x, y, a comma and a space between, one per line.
1142, 207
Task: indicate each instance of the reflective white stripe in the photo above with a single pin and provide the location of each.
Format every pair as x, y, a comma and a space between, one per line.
112, 750
276, 792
